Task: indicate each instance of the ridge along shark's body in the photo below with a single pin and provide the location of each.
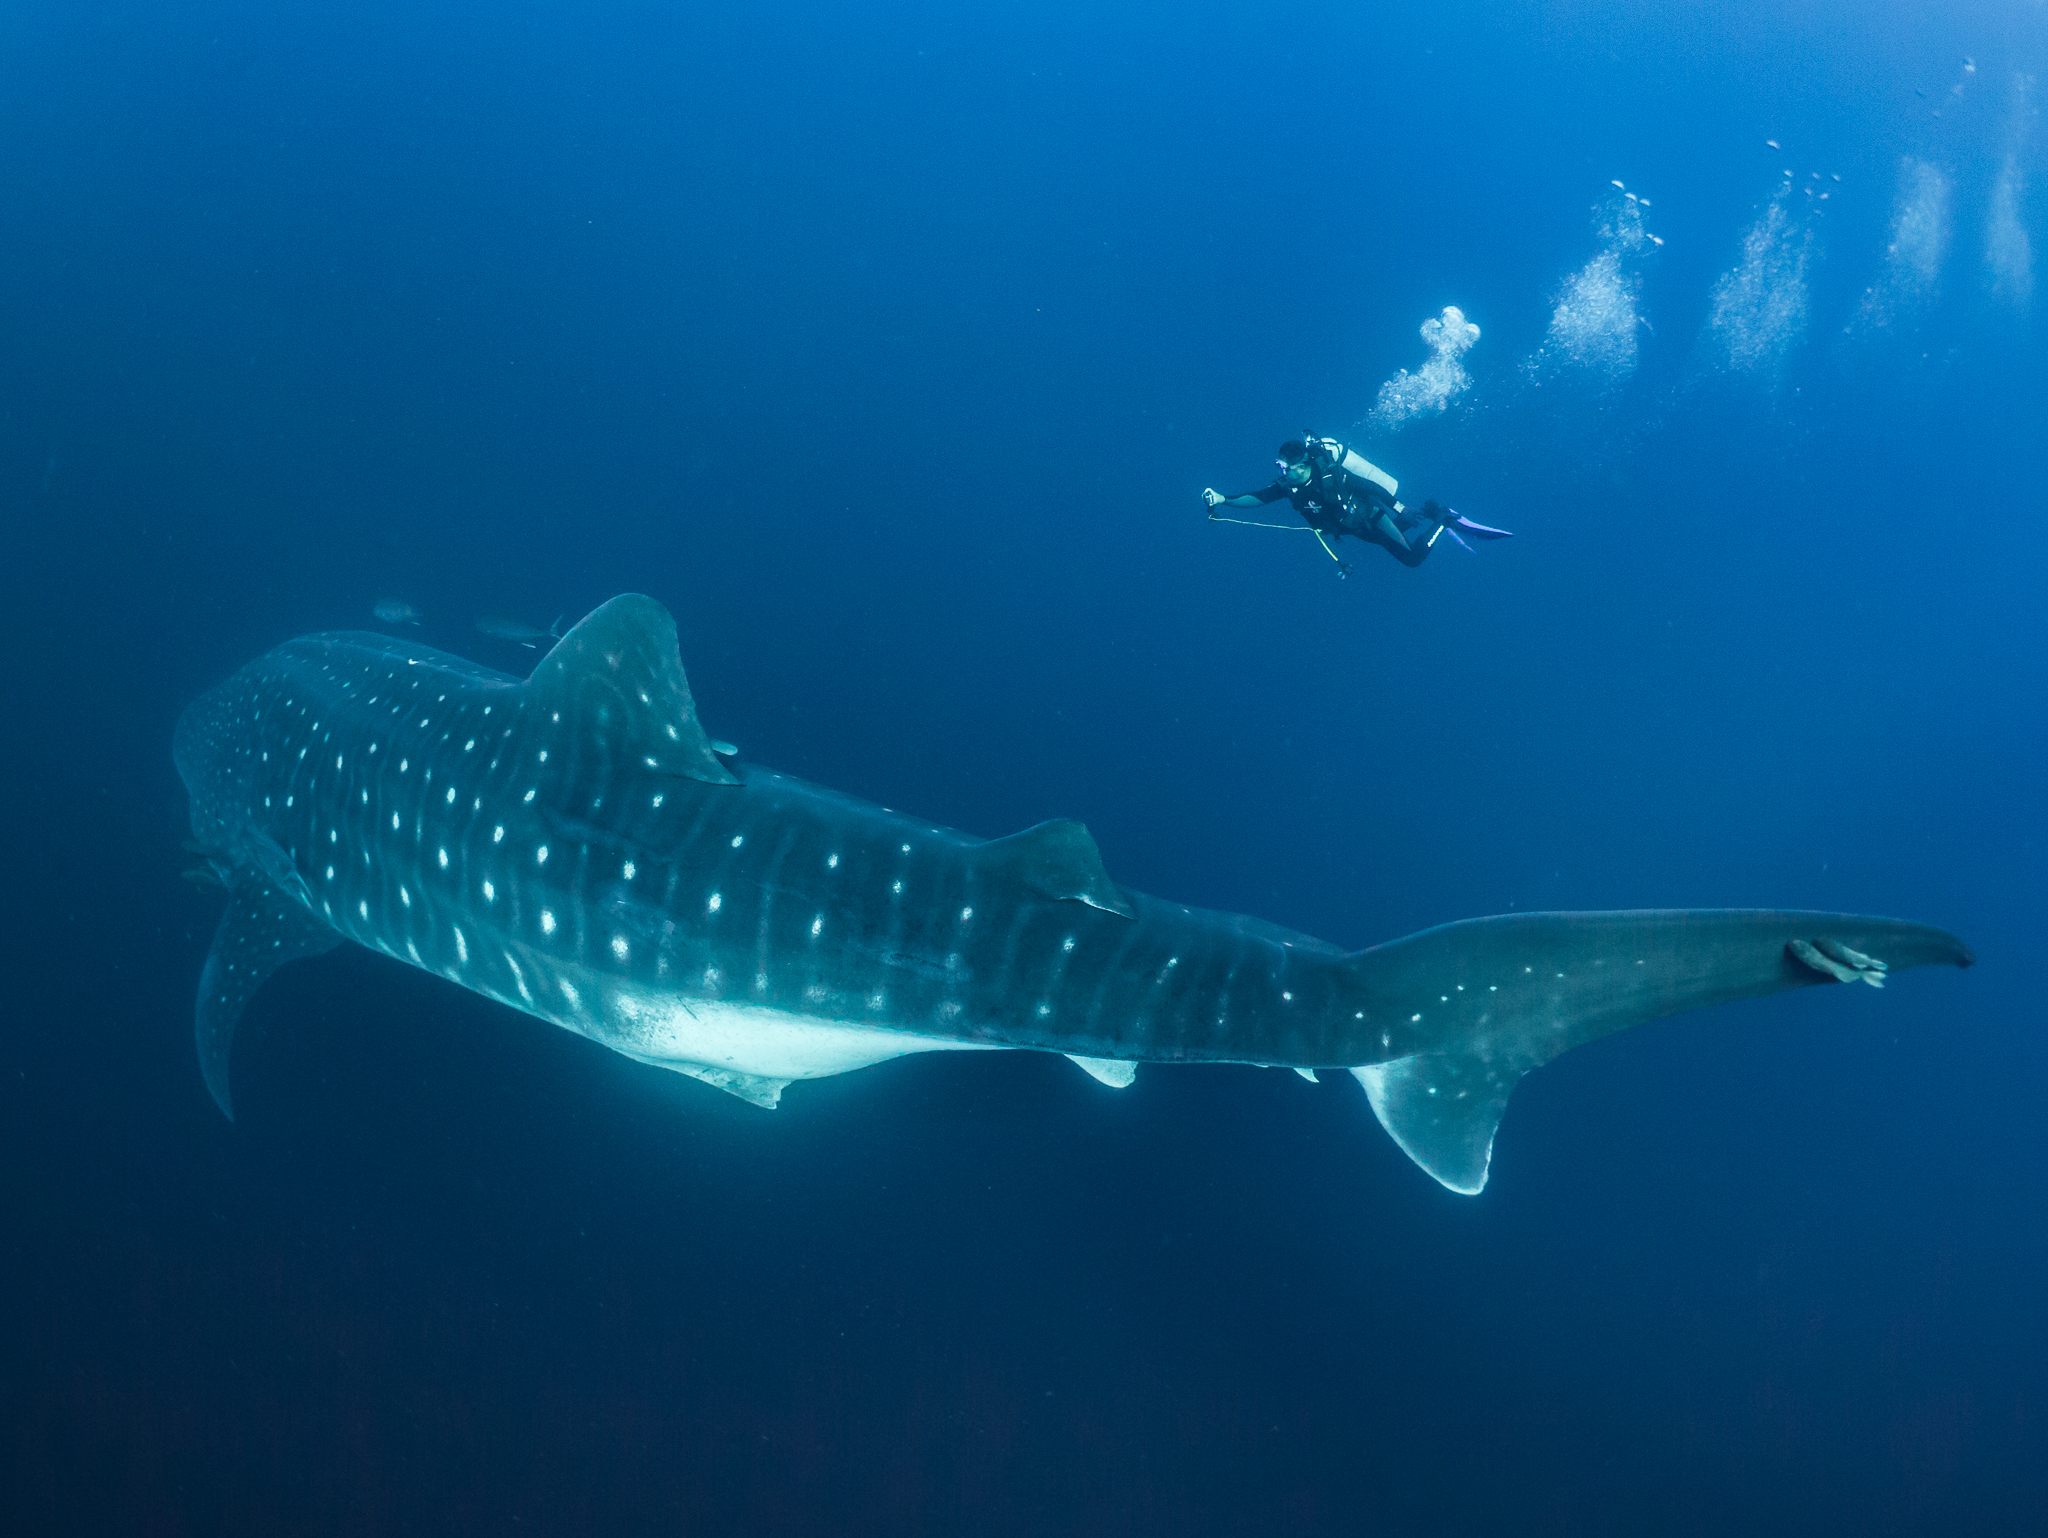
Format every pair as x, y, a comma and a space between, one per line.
575, 846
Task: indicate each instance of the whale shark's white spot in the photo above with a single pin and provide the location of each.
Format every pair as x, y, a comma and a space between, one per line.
896, 887
405, 896
831, 862
738, 839
490, 892
547, 921
713, 903
655, 801
451, 795
569, 992
627, 870
442, 856
966, 914
363, 908
540, 855
620, 948
1067, 944
817, 926
498, 834
330, 873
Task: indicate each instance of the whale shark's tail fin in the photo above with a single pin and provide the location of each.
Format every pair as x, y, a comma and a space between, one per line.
1497, 997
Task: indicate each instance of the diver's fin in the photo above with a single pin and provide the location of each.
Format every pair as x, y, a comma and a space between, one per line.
1114, 1072
260, 932
752, 1088
1440, 515
1058, 859
617, 676
1486, 1000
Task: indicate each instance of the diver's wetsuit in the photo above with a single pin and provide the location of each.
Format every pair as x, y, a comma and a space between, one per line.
1335, 503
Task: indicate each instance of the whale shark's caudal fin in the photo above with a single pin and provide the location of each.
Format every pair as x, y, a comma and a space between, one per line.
260, 932
1500, 996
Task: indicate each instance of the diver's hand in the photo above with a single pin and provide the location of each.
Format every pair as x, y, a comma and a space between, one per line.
1211, 498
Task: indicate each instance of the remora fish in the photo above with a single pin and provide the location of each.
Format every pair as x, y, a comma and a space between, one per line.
518, 632
573, 846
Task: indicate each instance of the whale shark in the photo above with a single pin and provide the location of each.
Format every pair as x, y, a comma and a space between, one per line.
574, 845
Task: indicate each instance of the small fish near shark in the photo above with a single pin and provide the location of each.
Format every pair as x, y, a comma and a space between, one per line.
573, 845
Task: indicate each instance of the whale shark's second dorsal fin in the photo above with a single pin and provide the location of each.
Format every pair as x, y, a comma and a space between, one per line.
1058, 859
617, 674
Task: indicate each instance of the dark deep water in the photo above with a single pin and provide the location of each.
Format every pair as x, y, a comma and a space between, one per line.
890, 348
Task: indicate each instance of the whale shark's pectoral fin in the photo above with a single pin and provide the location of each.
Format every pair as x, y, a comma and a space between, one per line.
1113, 1071
260, 932
1058, 859
752, 1088
616, 676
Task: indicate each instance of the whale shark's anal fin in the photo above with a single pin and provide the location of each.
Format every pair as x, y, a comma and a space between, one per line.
260, 931
1059, 860
617, 674
1493, 998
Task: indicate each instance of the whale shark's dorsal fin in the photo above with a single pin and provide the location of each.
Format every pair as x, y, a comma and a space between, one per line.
261, 931
617, 673
1058, 859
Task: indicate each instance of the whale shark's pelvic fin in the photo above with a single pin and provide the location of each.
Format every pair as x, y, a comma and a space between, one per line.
1511, 993
1115, 1072
617, 674
261, 931
1058, 859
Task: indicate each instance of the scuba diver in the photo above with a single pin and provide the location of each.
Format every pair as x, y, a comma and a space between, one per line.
1338, 491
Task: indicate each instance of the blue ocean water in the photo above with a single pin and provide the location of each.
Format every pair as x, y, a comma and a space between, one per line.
891, 348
